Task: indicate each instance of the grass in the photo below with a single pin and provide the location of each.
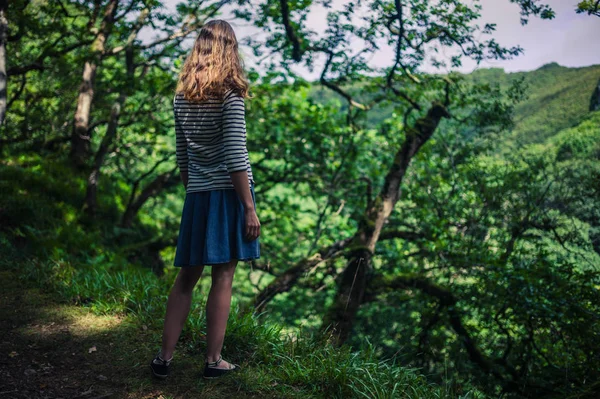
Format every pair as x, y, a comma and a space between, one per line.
275, 365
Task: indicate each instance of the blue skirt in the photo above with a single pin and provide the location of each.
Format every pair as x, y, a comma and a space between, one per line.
212, 229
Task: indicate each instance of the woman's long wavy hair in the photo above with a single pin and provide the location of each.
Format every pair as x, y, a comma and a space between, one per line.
214, 65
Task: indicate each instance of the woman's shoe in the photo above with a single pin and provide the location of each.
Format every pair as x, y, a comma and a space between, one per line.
160, 367
211, 371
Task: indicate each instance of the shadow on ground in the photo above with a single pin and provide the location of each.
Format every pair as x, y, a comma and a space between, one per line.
58, 350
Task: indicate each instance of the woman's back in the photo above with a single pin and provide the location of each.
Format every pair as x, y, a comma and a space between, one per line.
211, 140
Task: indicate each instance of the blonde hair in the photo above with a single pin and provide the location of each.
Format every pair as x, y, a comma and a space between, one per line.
214, 65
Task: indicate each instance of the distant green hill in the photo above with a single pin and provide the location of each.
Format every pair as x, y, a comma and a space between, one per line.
558, 98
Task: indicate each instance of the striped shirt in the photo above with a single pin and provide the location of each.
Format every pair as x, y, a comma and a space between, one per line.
211, 141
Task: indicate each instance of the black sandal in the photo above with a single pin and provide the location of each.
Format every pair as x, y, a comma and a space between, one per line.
211, 371
160, 367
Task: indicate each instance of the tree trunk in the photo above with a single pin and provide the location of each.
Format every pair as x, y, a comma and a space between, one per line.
80, 138
340, 316
90, 204
161, 182
113, 124
3, 75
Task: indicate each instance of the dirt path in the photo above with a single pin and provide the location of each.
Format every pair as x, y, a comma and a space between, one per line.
54, 350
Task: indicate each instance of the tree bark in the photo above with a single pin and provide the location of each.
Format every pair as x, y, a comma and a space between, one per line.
91, 203
339, 319
80, 138
285, 281
161, 182
3, 74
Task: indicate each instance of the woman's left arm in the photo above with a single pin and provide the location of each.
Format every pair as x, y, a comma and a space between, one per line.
180, 147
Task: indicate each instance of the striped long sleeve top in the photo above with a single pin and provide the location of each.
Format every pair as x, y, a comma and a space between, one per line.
211, 141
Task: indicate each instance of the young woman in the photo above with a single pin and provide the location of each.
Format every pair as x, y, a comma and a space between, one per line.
219, 225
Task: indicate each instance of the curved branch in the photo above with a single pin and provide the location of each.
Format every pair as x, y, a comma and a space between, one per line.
285, 281
289, 31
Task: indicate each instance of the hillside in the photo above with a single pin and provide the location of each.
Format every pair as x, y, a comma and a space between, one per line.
558, 98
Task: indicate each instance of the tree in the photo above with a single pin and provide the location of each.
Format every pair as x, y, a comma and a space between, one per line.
121, 91
80, 141
414, 30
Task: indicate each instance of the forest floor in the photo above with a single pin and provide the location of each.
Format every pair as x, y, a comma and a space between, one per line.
50, 349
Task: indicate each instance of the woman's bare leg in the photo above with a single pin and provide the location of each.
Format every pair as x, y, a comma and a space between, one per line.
217, 310
178, 307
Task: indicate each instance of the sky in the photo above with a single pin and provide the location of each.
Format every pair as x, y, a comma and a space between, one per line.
570, 39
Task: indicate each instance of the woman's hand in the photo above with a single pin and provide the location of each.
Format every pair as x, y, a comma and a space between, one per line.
252, 224
184, 178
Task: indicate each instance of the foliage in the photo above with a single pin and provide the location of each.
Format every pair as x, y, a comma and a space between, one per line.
558, 98
506, 239
591, 7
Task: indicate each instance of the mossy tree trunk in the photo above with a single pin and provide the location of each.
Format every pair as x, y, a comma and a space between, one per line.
356, 276
107, 145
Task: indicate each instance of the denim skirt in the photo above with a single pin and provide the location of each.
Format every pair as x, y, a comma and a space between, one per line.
212, 229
